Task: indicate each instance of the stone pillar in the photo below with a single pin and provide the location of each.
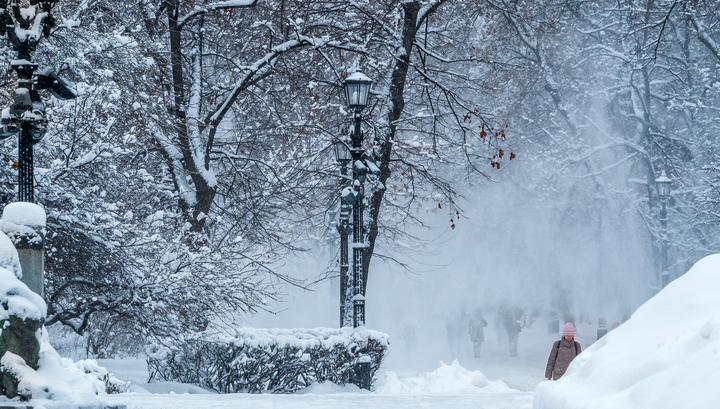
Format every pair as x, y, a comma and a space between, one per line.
24, 224
23, 309
32, 259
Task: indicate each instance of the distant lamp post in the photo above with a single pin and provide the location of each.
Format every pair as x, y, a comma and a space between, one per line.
663, 187
357, 90
343, 157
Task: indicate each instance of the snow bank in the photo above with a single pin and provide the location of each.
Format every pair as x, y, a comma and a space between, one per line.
664, 357
451, 378
59, 381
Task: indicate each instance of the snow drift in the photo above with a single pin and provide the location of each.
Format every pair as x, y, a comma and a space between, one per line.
451, 378
60, 382
664, 357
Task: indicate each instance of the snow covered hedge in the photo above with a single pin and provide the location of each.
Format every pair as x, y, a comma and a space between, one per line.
268, 360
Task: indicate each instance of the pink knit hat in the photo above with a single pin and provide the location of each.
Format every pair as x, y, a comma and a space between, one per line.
569, 329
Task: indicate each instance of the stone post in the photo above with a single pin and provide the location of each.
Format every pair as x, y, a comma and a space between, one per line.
24, 224
22, 309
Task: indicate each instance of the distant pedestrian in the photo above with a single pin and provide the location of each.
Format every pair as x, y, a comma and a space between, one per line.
562, 353
477, 331
511, 322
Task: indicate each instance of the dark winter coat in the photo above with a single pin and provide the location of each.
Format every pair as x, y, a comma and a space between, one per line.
477, 333
563, 352
511, 320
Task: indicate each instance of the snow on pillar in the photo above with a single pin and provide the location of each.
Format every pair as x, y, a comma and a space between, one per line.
24, 224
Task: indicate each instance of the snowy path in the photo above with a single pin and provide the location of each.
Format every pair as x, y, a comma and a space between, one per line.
509, 400
405, 391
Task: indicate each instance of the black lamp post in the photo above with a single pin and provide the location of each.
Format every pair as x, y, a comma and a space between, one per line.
600, 205
343, 156
357, 89
25, 27
663, 186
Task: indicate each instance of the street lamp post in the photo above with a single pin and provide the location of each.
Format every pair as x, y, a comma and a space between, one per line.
600, 205
343, 156
25, 27
25, 23
663, 186
357, 90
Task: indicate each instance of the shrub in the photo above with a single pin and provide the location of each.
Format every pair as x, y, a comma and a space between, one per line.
268, 360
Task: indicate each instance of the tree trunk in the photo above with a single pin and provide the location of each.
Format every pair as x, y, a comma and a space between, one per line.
397, 104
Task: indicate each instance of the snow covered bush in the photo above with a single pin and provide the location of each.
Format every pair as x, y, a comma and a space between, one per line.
273, 360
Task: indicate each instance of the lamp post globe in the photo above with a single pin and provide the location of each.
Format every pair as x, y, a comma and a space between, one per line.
342, 153
663, 185
357, 89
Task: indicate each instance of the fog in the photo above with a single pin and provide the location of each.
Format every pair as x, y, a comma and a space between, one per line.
509, 248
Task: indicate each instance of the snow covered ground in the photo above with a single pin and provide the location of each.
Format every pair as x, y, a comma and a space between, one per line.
450, 386
341, 400
493, 381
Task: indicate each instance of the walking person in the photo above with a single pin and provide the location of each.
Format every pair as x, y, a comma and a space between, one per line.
562, 353
477, 332
511, 322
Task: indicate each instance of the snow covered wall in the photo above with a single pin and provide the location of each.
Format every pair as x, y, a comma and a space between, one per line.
664, 357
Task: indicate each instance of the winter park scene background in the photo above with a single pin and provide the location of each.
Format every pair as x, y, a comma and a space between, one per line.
202, 206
